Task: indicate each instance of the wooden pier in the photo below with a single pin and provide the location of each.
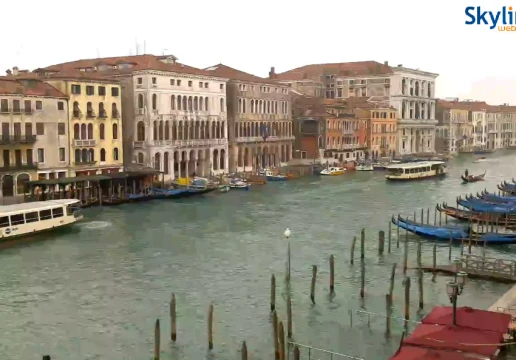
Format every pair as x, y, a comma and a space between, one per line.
481, 267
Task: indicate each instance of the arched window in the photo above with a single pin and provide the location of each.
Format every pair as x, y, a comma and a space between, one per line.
115, 154
140, 131
179, 102
114, 111
222, 107
91, 155
102, 155
173, 102
84, 133
90, 131
140, 158
84, 155
206, 104
102, 133
154, 101
115, 131
77, 156
76, 132
140, 101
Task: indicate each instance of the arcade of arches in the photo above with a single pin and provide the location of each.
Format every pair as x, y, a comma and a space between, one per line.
185, 162
14, 184
249, 157
183, 130
255, 129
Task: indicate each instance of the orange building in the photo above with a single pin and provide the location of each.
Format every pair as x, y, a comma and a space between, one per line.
346, 134
382, 129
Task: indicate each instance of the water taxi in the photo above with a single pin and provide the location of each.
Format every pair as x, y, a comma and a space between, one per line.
364, 167
34, 217
332, 171
271, 176
416, 171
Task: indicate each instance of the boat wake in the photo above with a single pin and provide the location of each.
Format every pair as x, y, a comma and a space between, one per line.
94, 225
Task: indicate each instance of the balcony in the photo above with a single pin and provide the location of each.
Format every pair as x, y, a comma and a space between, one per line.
77, 114
85, 143
19, 167
88, 162
17, 111
191, 143
90, 114
17, 139
138, 144
103, 115
251, 139
115, 115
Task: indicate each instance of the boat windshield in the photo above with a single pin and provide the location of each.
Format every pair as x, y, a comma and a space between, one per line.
73, 209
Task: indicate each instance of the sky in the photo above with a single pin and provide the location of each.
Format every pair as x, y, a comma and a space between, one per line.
252, 36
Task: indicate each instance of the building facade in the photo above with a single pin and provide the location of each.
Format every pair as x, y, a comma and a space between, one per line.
95, 122
383, 132
455, 127
412, 93
34, 133
259, 120
174, 115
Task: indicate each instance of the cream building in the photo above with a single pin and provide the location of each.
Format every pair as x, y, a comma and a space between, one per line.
174, 115
34, 132
412, 92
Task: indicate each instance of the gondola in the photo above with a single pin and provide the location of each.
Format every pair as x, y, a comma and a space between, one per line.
472, 178
482, 206
475, 216
139, 197
487, 195
112, 201
454, 233
87, 203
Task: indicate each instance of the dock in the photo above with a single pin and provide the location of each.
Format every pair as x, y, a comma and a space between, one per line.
481, 267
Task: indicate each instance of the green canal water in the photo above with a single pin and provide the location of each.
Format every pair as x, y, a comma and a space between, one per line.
95, 292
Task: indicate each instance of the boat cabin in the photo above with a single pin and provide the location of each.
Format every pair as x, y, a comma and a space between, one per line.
413, 171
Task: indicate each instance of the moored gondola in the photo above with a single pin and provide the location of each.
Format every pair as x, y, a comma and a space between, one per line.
456, 232
477, 217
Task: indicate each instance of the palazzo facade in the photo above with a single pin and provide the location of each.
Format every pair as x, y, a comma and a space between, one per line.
259, 121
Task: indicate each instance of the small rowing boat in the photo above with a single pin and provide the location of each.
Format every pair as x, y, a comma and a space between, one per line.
472, 178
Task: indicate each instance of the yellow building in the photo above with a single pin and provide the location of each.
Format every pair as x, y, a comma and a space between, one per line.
95, 113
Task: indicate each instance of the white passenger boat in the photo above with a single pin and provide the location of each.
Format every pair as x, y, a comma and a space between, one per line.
364, 167
34, 217
332, 171
416, 170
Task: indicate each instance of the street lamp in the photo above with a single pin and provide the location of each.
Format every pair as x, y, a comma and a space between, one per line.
454, 288
287, 236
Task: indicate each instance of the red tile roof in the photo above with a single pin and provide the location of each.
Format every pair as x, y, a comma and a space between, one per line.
443, 337
469, 318
475, 106
138, 62
225, 71
418, 353
342, 69
28, 87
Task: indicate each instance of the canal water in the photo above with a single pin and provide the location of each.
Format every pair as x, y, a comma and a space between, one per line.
94, 292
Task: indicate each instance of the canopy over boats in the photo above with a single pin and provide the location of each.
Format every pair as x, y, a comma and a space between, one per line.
483, 206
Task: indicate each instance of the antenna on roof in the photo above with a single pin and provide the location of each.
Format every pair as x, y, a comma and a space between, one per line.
136, 42
164, 51
98, 53
144, 47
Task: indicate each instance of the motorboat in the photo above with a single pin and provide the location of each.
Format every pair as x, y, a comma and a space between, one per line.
239, 184
332, 171
416, 170
273, 177
364, 167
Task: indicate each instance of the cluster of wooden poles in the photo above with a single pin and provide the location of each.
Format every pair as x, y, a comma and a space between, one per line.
278, 329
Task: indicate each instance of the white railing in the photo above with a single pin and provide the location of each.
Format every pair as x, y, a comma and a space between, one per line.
138, 144
190, 143
260, 139
81, 143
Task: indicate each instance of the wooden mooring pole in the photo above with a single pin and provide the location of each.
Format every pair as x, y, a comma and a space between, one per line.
381, 242
157, 339
275, 334
332, 274
362, 280
244, 351
312, 287
362, 244
289, 317
210, 327
173, 328
297, 354
405, 253
388, 313
398, 236
273, 292
281, 341
389, 239
406, 284
353, 249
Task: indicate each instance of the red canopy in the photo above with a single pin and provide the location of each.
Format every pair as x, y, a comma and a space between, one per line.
470, 318
415, 353
455, 338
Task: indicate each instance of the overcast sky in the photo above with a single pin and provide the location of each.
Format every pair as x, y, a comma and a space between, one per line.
473, 61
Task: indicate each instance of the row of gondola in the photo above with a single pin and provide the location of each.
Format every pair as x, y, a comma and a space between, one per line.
487, 218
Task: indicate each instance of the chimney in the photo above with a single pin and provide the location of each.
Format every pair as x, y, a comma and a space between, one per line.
386, 63
15, 70
8, 72
272, 73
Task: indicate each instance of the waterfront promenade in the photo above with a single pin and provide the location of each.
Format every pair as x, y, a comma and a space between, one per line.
95, 292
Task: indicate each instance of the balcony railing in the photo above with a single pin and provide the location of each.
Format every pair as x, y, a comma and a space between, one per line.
18, 167
90, 114
138, 144
77, 114
84, 143
260, 139
86, 162
115, 115
17, 139
103, 115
